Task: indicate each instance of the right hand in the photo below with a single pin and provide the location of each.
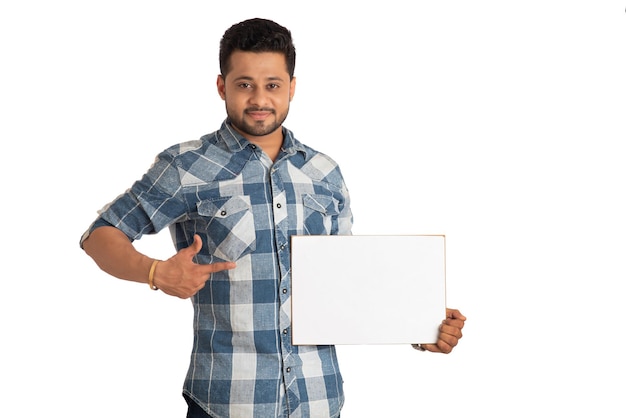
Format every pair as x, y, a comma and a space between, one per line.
181, 276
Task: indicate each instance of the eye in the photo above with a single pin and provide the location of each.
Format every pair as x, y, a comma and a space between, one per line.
272, 86
245, 85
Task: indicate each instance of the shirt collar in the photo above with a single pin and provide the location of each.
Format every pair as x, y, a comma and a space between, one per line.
236, 142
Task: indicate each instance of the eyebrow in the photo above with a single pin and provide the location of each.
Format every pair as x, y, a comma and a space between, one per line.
248, 78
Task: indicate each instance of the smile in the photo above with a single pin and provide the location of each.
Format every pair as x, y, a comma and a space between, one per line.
259, 114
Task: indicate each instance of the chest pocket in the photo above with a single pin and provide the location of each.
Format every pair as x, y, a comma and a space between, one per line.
319, 212
230, 226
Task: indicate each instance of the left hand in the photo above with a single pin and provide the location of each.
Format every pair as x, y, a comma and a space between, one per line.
449, 332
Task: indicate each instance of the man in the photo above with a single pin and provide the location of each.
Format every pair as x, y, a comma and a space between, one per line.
232, 199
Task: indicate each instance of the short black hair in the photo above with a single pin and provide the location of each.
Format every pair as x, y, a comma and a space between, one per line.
257, 35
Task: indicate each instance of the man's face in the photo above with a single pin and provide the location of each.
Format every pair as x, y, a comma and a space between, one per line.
257, 91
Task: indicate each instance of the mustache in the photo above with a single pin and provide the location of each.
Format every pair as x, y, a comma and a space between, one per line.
259, 109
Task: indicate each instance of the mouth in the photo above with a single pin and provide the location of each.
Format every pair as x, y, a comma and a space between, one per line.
259, 114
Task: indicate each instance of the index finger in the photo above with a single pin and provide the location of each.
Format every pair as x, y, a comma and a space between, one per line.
215, 267
454, 314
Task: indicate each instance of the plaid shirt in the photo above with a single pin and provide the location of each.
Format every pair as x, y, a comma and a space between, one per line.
245, 208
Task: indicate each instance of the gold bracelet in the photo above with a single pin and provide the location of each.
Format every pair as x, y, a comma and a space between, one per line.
151, 275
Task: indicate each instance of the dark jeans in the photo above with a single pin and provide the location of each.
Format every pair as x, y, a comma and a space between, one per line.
194, 411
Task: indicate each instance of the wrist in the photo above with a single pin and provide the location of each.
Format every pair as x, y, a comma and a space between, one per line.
151, 275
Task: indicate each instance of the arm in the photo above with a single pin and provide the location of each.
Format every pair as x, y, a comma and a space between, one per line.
178, 276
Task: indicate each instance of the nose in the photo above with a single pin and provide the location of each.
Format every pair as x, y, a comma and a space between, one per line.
259, 98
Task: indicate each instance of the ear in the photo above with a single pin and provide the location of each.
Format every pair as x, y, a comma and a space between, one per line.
292, 88
221, 86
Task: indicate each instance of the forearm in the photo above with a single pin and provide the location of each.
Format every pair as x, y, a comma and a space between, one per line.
115, 254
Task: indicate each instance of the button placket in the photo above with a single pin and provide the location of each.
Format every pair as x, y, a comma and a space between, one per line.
281, 228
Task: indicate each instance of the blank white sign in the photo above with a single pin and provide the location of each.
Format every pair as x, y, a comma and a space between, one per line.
367, 289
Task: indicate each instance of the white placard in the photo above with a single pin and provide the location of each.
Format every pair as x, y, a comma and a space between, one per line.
367, 289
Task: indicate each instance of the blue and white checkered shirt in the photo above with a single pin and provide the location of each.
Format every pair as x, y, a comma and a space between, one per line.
245, 208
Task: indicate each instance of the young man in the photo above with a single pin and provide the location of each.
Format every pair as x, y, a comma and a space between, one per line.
232, 199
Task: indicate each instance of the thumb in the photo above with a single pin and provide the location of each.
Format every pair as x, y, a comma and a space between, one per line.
195, 247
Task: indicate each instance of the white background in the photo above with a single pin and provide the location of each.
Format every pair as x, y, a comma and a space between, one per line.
499, 124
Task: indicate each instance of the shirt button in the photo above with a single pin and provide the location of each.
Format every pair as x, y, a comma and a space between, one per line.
285, 331
278, 205
288, 369
223, 213
284, 291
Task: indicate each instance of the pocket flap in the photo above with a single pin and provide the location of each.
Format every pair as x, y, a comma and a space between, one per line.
320, 203
223, 207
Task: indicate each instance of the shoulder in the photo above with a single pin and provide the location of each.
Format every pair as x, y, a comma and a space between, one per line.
320, 166
199, 161
193, 146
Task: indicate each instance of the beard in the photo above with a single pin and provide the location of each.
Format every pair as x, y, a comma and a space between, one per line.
257, 128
